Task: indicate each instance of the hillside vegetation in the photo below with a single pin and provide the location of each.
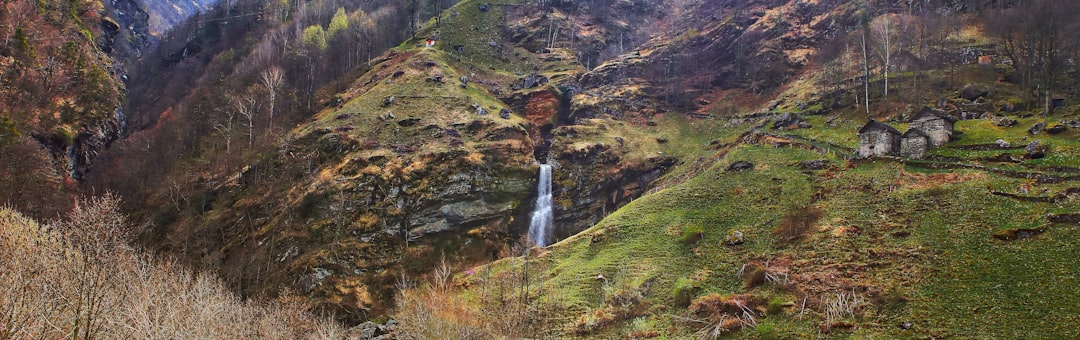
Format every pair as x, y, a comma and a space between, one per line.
377, 160
79, 278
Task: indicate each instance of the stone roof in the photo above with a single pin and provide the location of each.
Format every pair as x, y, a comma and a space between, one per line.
915, 133
931, 112
876, 125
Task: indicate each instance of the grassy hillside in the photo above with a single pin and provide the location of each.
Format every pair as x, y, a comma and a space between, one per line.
907, 243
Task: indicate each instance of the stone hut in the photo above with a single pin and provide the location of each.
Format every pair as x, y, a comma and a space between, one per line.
878, 139
914, 144
937, 125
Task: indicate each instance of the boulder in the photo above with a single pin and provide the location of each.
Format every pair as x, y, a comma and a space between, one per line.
1073, 123
734, 238
1036, 150
388, 101
970, 92
1004, 121
1002, 143
1037, 128
787, 121
740, 166
504, 113
533, 80
1056, 129
480, 111
408, 122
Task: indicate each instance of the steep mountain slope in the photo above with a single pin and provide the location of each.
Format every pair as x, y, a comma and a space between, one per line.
375, 169
62, 94
164, 14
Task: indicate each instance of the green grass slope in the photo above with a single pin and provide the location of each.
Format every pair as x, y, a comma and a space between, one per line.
909, 245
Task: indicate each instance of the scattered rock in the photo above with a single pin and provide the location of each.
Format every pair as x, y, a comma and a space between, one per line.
370, 330
387, 116
1037, 128
408, 122
485, 7
788, 121
464, 79
388, 101
343, 116
817, 164
1036, 150
906, 325
437, 78
480, 111
1005, 121
1056, 129
1019, 233
399, 73
504, 113
734, 238
968, 115
661, 140
970, 92
740, 166
1002, 143
533, 80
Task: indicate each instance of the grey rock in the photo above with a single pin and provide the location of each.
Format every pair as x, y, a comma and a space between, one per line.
970, 92
1036, 150
1005, 122
1037, 128
1056, 129
740, 166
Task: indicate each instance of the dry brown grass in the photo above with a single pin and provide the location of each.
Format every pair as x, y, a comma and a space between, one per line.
794, 225
79, 279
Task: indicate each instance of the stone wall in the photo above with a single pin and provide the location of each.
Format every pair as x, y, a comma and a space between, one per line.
913, 147
938, 129
878, 143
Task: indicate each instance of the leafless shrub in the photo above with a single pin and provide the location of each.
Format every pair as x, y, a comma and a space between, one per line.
79, 279
842, 305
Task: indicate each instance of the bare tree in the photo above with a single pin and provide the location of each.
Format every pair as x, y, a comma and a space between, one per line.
883, 32
225, 127
272, 78
245, 106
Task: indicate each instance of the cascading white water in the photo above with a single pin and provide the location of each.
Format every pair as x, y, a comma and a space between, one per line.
542, 215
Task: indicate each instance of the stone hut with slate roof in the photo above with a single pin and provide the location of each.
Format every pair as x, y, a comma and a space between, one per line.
937, 125
914, 144
878, 139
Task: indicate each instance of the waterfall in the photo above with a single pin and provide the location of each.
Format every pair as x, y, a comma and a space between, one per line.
542, 215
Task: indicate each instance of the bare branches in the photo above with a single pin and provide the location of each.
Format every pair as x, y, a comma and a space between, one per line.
79, 279
272, 78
